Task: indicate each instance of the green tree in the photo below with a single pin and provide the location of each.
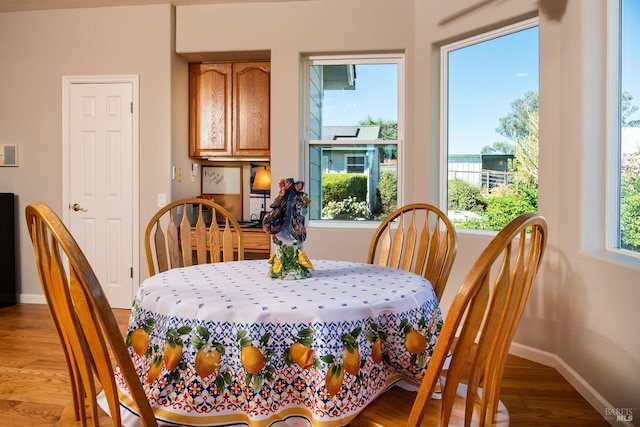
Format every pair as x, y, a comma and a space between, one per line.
388, 132
515, 125
526, 155
627, 110
630, 202
521, 127
499, 147
388, 128
505, 204
388, 192
629, 183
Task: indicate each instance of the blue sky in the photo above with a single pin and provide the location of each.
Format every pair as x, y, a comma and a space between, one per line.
371, 98
631, 51
507, 68
484, 79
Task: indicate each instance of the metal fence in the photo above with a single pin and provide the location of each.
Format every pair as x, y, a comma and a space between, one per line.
485, 179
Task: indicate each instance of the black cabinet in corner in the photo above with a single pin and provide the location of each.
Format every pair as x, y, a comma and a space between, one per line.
7, 250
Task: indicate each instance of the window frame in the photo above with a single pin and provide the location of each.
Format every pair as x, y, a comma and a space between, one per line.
397, 58
444, 105
613, 170
612, 213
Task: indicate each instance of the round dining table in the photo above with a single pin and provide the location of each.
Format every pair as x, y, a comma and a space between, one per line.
223, 344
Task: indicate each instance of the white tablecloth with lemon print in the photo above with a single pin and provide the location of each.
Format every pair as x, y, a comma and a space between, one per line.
223, 344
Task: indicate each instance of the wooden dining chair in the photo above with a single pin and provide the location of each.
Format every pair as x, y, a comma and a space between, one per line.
85, 324
419, 238
185, 244
491, 300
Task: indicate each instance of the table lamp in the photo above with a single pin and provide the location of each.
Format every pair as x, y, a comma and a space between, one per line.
262, 182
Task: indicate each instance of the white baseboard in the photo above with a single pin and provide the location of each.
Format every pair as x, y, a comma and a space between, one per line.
31, 299
590, 394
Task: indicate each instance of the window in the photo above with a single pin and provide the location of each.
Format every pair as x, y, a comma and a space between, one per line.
626, 173
353, 141
355, 164
490, 126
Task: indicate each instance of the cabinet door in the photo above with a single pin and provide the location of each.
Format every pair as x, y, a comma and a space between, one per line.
251, 123
210, 92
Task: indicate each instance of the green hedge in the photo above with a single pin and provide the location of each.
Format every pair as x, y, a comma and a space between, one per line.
464, 196
337, 187
340, 188
388, 192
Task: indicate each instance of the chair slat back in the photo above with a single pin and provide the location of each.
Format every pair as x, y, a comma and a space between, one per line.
161, 255
419, 238
184, 246
188, 244
490, 301
410, 244
84, 321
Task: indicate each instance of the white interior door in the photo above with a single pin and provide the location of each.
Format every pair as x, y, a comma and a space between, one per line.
100, 179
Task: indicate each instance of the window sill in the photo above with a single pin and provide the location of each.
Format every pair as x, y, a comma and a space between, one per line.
334, 223
618, 257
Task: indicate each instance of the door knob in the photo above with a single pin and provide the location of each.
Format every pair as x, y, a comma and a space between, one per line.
76, 207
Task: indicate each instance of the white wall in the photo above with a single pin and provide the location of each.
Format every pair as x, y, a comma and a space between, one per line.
37, 50
582, 316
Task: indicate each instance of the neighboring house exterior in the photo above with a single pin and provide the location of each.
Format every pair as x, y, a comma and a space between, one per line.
353, 158
466, 167
481, 170
349, 158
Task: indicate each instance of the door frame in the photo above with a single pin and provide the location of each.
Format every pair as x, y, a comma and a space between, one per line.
134, 80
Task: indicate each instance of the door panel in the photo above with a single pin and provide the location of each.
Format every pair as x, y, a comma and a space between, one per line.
100, 182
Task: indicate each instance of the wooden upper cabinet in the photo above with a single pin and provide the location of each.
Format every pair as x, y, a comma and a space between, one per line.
229, 110
210, 92
251, 90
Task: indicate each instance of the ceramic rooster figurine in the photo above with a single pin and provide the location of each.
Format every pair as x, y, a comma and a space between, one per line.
285, 223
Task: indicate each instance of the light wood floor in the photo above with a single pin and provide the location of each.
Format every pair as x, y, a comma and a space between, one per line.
34, 384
